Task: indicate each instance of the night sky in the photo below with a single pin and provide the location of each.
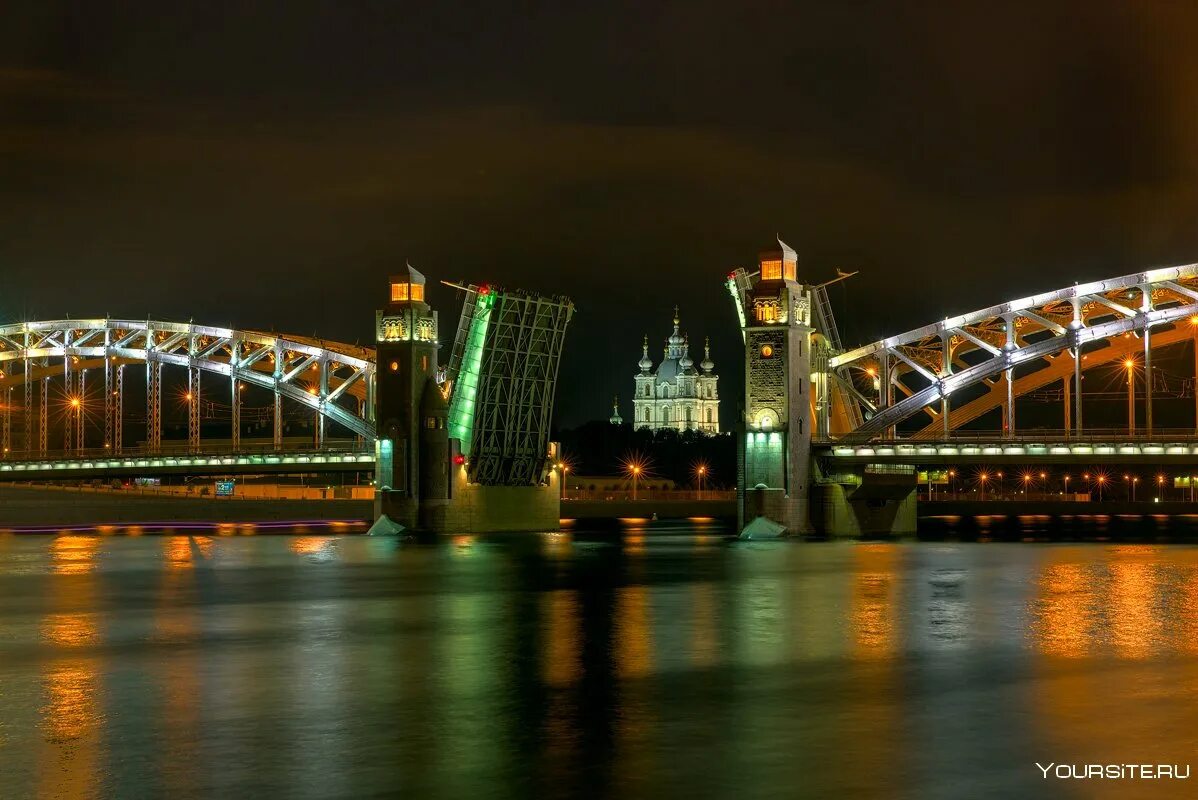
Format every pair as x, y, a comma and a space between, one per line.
266, 165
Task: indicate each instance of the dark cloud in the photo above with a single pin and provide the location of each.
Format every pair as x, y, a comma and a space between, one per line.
267, 164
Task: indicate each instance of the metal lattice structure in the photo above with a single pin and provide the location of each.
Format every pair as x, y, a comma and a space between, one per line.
1043, 335
335, 381
503, 369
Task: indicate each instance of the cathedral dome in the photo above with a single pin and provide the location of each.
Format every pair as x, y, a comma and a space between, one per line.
675, 341
669, 369
645, 363
707, 364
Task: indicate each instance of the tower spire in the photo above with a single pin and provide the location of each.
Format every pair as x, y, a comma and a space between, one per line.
616, 419
707, 364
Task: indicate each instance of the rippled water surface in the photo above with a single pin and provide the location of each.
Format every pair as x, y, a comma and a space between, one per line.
663, 664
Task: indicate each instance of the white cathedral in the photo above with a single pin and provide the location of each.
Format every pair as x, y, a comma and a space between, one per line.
676, 395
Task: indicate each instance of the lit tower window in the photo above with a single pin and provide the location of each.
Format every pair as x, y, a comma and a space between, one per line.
403, 291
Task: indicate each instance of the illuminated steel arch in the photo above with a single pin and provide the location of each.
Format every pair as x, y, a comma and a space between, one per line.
983, 347
319, 375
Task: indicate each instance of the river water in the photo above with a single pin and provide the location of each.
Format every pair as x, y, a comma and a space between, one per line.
667, 663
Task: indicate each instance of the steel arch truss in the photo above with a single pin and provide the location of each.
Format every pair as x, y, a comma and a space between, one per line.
1010, 334
310, 372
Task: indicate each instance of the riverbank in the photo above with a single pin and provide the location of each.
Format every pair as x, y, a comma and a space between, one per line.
28, 507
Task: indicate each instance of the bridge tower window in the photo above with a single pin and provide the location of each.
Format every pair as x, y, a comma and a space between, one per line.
403, 291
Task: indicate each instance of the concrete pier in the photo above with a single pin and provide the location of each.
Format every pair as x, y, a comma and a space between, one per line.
22, 507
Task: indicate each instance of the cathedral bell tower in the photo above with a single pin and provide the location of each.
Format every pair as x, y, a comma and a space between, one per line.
407, 412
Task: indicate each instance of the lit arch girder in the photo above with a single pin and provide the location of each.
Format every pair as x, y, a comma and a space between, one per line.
993, 366
178, 344
1163, 278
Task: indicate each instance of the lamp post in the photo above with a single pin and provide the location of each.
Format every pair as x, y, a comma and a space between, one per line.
702, 470
1066, 486
1194, 328
952, 480
636, 474
76, 415
1130, 364
982, 482
1101, 481
999, 476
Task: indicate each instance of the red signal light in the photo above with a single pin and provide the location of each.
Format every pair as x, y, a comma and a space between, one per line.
459, 459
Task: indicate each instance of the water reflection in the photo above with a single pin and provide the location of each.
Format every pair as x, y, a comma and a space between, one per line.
628, 663
874, 602
1062, 617
70, 713
73, 554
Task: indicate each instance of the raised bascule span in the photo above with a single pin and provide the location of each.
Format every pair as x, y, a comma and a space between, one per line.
830, 442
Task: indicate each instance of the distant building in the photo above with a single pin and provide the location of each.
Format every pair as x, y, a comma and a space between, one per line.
676, 395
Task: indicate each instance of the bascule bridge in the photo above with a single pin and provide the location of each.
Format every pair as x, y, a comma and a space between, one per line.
458, 446
834, 439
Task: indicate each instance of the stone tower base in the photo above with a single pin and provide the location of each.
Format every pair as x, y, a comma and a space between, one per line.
477, 509
774, 504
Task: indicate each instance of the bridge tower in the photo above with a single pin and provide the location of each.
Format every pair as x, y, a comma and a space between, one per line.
412, 473
774, 441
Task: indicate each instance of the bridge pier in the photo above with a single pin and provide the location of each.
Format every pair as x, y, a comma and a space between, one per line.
864, 503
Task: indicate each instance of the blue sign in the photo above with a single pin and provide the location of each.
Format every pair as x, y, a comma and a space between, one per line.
224, 488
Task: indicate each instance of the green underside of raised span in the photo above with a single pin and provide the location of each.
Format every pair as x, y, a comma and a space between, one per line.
461, 405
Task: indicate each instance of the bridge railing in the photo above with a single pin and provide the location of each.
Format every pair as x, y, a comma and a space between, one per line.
659, 495
183, 450
1038, 435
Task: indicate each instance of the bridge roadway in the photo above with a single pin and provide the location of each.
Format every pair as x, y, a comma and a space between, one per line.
1178, 447
98, 464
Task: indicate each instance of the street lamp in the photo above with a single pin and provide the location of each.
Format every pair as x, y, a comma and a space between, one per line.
701, 471
952, 479
1066, 477
1160, 485
999, 476
563, 468
1194, 327
1130, 364
1101, 479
